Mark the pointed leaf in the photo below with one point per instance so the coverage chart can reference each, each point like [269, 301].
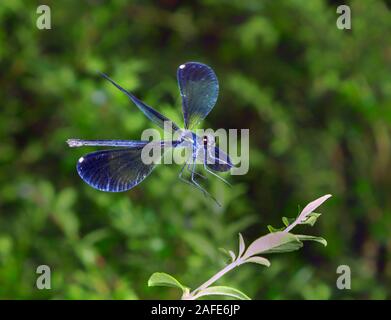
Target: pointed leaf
[260, 260]
[225, 252]
[232, 254]
[242, 245]
[222, 291]
[287, 221]
[165, 280]
[272, 229]
[272, 243]
[311, 218]
[309, 208]
[311, 238]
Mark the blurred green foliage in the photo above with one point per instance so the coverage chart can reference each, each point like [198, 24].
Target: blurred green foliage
[317, 101]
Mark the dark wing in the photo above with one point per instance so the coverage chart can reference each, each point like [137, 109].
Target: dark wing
[114, 170]
[150, 112]
[218, 160]
[199, 89]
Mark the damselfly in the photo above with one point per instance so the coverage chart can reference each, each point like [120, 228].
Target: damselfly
[121, 169]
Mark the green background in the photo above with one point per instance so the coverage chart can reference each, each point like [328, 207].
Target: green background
[317, 101]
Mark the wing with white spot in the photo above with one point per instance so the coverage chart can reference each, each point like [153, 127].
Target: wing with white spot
[117, 170]
[199, 89]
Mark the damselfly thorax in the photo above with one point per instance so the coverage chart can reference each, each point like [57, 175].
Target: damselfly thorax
[201, 147]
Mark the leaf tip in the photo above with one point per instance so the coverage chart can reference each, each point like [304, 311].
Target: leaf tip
[242, 245]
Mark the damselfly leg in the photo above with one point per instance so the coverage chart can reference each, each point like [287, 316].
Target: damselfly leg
[191, 167]
[210, 171]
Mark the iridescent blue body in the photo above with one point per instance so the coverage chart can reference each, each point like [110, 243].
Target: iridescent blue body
[121, 169]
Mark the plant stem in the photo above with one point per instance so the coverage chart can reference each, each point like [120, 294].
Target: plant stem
[216, 277]
[290, 227]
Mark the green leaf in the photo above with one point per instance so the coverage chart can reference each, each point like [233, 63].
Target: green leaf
[222, 291]
[232, 254]
[259, 260]
[272, 229]
[311, 218]
[165, 280]
[226, 252]
[287, 221]
[273, 243]
[288, 242]
[302, 237]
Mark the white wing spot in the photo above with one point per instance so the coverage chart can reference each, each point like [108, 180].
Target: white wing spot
[81, 160]
[182, 66]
